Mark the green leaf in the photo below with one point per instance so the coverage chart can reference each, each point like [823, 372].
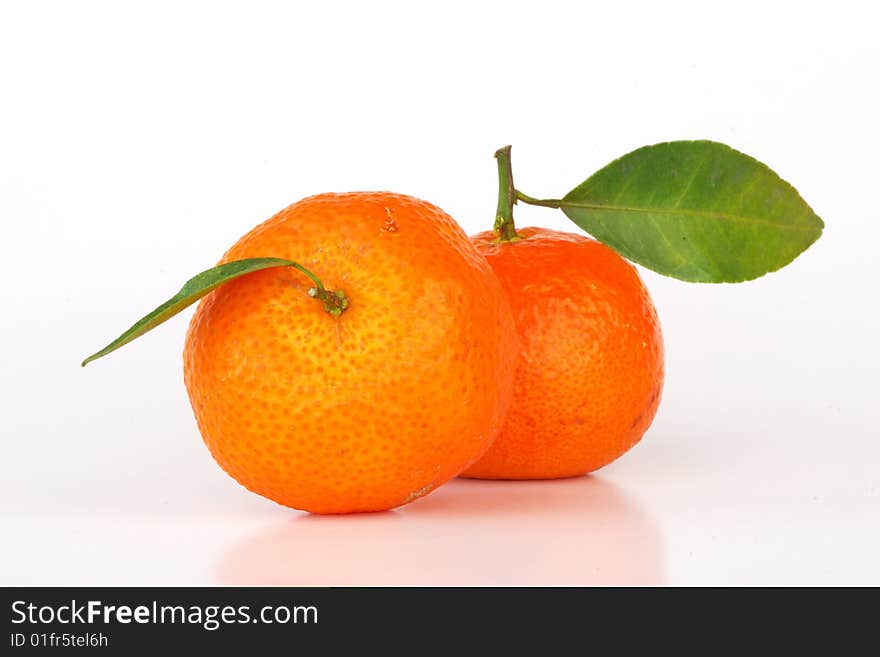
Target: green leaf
[695, 210]
[193, 290]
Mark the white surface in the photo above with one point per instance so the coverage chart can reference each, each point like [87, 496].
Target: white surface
[136, 146]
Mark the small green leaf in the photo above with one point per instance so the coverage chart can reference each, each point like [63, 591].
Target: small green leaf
[193, 290]
[695, 210]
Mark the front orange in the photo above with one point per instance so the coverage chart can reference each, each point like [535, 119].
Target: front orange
[591, 363]
[374, 408]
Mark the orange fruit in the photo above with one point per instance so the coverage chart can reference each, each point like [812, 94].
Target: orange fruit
[591, 356]
[374, 408]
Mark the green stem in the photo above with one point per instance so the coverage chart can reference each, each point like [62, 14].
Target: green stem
[506, 197]
[546, 203]
[317, 281]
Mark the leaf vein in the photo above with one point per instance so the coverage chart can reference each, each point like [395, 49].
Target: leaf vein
[712, 214]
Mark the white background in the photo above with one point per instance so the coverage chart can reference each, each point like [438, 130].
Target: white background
[136, 145]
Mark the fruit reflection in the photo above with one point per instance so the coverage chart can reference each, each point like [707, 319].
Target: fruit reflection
[575, 531]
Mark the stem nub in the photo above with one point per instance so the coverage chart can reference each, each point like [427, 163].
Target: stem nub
[506, 197]
[334, 302]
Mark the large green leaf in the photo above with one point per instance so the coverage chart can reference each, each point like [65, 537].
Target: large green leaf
[695, 210]
[193, 290]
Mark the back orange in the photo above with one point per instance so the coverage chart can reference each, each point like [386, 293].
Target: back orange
[375, 408]
[591, 361]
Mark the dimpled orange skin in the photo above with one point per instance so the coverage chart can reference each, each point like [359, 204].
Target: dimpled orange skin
[375, 408]
[591, 364]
